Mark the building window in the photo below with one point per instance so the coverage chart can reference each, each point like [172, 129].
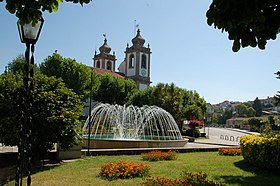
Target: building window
[144, 61]
[131, 61]
[109, 65]
[98, 64]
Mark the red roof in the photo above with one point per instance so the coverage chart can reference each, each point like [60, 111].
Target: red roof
[103, 71]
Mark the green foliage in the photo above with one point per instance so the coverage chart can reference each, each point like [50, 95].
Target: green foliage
[257, 123]
[257, 106]
[32, 10]
[113, 90]
[193, 132]
[56, 111]
[17, 65]
[277, 96]
[227, 114]
[248, 23]
[76, 76]
[180, 103]
[187, 178]
[261, 151]
[244, 111]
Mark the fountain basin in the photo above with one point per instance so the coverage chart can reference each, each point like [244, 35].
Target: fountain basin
[126, 143]
[116, 126]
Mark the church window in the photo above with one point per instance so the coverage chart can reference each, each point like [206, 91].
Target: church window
[109, 65]
[131, 61]
[144, 61]
[98, 64]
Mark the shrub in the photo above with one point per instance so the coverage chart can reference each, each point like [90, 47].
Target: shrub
[230, 151]
[123, 170]
[262, 151]
[159, 156]
[189, 132]
[187, 179]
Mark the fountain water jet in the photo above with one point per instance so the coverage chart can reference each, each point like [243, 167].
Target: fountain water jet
[115, 126]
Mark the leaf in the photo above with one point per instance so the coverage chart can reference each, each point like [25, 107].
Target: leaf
[236, 46]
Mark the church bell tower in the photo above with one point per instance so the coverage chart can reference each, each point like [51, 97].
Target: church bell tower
[104, 60]
[137, 62]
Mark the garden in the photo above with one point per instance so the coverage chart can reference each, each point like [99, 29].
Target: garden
[225, 167]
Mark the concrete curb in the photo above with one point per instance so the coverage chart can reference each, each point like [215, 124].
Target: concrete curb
[220, 144]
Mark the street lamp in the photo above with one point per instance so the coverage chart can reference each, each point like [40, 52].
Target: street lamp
[29, 34]
[89, 112]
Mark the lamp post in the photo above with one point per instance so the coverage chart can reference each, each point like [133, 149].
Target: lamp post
[89, 112]
[29, 35]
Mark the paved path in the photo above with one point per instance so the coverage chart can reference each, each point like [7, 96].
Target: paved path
[223, 136]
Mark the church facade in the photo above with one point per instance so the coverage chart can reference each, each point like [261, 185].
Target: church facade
[136, 64]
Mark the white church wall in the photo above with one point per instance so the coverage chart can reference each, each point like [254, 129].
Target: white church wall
[142, 86]
[131, 71]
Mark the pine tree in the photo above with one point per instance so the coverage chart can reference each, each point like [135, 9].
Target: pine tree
[258, 107]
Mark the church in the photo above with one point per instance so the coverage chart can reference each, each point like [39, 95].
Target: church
[136, 64]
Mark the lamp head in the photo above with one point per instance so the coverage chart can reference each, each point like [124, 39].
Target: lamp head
[29, 33]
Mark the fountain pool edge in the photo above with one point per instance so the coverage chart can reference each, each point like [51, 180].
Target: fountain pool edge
[118, 143]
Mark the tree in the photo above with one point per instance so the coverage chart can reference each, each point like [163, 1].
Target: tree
[277, 96]
[227, 114]
[32, 10]
[112, 90]
[247, 22]
[56, 112]
[243, 111]
[180, 103]
[75, 75]
[257, 123]
[17, 65]
[257, 106]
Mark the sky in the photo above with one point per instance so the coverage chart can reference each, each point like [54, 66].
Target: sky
[185, 50]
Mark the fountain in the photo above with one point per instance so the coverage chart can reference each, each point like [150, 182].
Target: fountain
[115, 126]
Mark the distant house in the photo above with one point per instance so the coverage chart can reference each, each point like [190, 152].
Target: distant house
[237, 123]
[267, 102]
[234, 122]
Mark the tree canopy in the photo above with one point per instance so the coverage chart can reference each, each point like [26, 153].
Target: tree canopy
[112, 90]
[32, 10]
[244, 111]
[247, 22]
[17, 65]
[180, 103]
[277, 96]
[258, 107]
[75, 75]
[56, 112]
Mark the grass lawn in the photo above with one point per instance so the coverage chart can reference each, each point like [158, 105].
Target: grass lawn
[231, 170]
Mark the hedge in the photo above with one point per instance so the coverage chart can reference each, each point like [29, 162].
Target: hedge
[261, 151]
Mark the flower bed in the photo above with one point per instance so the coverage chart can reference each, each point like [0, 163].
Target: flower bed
[187, 179]
[123, 170]
[230, 151]
[159, 156]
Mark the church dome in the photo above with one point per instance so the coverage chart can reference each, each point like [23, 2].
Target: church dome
[138, 40]
[105, 47]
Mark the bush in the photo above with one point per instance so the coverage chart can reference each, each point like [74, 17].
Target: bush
[262, 151]
[230, 151]
[123, 170]
[187, 178]
[189, 132]
[159, 156]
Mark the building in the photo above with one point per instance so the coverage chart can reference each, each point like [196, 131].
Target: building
[236, 123]
[136, 64]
